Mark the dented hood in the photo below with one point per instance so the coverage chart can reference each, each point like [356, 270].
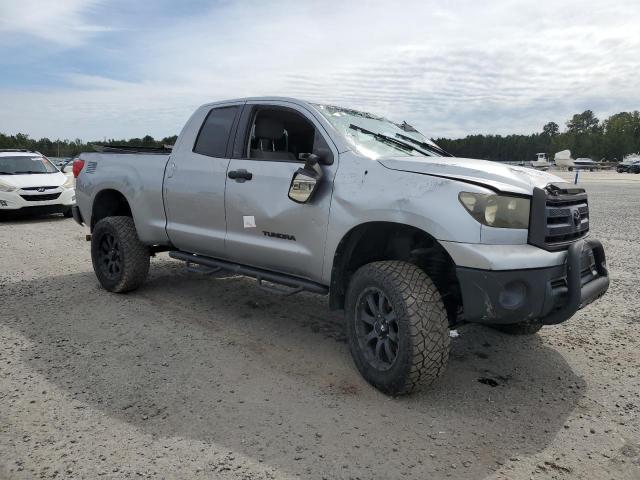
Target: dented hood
[495, 175]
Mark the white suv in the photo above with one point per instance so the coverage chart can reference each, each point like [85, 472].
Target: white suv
[28, 180]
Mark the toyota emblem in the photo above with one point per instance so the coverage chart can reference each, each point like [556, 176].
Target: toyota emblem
[576, 218]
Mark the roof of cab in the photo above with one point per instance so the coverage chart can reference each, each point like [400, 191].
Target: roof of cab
[261, 99]
[339, 141]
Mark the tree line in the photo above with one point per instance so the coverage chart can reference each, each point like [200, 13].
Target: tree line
[71, 148]
[584, 134]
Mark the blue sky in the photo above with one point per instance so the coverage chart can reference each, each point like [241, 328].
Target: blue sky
[100, 68]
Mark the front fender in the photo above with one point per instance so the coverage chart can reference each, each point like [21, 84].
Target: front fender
[365, 191]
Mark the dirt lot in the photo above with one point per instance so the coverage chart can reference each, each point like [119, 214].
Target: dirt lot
[199, 377]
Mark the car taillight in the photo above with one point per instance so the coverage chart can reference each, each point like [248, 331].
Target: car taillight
[78, 165]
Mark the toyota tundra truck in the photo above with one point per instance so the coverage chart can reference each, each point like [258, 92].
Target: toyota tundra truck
[408, 240]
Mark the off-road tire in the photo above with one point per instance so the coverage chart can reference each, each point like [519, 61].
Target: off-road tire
[528, 327]
[421, 320]
[68, 213]
[134, 256]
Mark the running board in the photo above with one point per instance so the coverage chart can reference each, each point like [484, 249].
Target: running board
[297, 284]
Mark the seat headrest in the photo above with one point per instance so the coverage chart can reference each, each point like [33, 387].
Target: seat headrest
[269, 128]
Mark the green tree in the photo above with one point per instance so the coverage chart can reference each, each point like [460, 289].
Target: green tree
[551, 129]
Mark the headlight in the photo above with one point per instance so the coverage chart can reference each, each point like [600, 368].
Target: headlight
[500, 211]
[4, 187]
[69, 183]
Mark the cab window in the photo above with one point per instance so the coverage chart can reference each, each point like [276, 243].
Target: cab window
[214, 134]
[282, 134]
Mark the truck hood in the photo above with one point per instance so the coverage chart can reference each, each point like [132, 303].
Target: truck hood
[35, 180]
[495, 175]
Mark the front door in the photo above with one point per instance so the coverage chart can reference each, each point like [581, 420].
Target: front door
[265, 228]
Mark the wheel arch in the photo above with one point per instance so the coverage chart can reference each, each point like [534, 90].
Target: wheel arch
[109, 202]
[380, 240]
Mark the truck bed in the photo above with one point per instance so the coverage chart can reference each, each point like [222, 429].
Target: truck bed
[138, 176]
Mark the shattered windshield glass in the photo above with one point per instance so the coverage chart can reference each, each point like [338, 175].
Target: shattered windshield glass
[376, 136]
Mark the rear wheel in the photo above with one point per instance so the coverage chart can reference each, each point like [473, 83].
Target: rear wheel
[397, 326]
[529, 327]
[120, 260]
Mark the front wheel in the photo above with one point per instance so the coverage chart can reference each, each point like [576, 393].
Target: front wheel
[68, 213]
[397, 326]
[120, 260]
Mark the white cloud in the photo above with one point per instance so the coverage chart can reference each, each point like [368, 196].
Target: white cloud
[498, 67]
[57, 21]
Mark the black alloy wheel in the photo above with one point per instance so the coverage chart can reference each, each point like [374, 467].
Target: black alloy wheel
[377, 329]
[109, 258]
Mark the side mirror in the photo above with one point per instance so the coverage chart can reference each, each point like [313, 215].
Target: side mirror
[309, 158]
[306, 180]
[324, 159]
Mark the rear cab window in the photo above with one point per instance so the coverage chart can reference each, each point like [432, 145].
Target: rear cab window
[214, 134]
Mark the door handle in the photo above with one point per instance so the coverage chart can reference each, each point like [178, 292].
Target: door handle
[240, 175]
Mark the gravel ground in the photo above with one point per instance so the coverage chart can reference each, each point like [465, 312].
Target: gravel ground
[200, 377]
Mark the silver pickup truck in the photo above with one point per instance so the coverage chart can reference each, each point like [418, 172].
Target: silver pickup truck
[406, 239]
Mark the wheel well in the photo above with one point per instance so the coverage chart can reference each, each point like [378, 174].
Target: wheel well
[374, 241]
[109, 203]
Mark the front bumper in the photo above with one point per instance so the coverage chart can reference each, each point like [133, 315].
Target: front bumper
[28, 199]
[551, 294]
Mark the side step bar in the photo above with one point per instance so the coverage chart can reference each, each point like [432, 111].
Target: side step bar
[297, 284]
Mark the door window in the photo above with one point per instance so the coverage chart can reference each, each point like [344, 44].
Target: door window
[214, 133]
[282, 134]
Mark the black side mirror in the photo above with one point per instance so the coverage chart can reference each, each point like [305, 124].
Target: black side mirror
[309, 157]
[321, 157]
[306, 180]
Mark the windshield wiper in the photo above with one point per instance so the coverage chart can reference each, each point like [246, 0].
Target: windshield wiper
[386, 139]
[7, 173]
[426, 145]
[31, 171]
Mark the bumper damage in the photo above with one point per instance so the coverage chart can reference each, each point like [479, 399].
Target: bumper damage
[551, 294]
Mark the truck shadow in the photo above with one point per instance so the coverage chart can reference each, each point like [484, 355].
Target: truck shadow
[16, 218]
[219, 361]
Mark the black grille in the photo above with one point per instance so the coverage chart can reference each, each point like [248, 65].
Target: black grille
[559, 216]
[41, 198]
[37, 188]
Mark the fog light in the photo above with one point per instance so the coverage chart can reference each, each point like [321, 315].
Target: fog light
[513, 295]
[3, 203]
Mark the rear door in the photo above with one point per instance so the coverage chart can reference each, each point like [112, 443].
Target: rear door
[195, 180]
[265, 228]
